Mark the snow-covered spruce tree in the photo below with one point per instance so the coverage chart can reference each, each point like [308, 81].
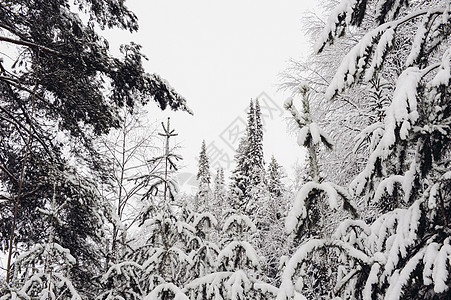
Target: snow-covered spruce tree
[270, 239]
[353, 109]
[122, 281]
[200, 246]
[203, 175]
[43, 272]
[256, 188]
[160, 251]
[248, 178]
[411, 157]
[257, 171]
[219, 195]
[250, 194]
[163, 256]
[202, 200]
[404, 253]
[307, 218]
[239, 180]
[203, 250]
[162, 241]
[237, 267]
[159, 184]
[242, 178]
[274, 243]
[275, 186]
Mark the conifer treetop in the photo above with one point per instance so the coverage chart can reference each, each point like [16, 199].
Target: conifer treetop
[203, 175]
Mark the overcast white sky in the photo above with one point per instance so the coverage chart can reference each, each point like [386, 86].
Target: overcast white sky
[219, 55]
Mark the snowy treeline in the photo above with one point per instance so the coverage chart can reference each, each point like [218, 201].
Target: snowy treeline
[89, 205]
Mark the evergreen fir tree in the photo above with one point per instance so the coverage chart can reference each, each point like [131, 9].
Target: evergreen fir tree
[203, 175]
[306, 216]
[247, 161]
[204, 251]
[163, 255]
[275, 187]
[251, 129]
[219, 187]
[122, 280]
[256, 147]
[203, 197]
[156, 261]
[255, 153]
[248, 177]
[44, 271]
[257, 182]
[237, 267]
[270, 238]
[219, 195]
[239, 180]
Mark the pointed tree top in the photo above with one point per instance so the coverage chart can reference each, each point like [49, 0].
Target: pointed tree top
[203, 174]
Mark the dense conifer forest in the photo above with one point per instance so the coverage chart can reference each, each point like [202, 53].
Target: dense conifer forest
[90, 206]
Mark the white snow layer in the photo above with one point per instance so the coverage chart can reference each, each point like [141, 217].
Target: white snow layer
[345, 7]
[242, 221]
[443, 75]
[287, 289]
[354, 61]
[157, 292]
[119, 268]
[299, 212]
[244, 247]
[418, 40]
[385, 42]
[402, 113]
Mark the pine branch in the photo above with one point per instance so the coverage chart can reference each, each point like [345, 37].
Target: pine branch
[32, 45]
[30, 131]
